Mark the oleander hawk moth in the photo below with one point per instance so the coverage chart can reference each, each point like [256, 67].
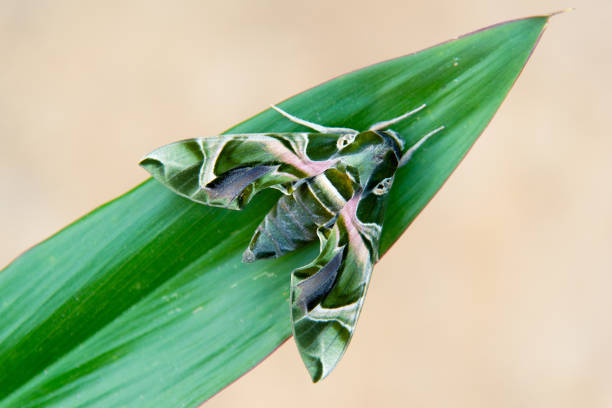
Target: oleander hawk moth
[334, 183]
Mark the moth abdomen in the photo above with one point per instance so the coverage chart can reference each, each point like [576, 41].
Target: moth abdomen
[294, 220]
[284, 229]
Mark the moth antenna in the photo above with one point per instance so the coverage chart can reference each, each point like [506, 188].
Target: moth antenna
[314, 126]
[385, 124]
[408, 155]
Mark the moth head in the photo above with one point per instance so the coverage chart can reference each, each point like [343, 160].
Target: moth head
[394, 141]
[396, 138]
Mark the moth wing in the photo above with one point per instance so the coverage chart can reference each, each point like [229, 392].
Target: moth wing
[227, 171]
[327, 294]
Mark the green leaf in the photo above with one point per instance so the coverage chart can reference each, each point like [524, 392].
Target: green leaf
[145, 301]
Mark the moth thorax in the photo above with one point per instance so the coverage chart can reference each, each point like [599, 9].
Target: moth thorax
[345, 140]
[383, 187]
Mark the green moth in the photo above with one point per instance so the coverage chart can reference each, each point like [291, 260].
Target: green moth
[334, 182]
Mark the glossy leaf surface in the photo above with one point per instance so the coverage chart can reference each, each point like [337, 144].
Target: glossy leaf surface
[145, 302]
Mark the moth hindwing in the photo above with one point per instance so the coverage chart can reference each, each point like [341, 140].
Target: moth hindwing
[335, 183]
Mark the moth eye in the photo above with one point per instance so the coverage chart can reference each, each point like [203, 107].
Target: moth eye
[383, 187]
[344, 141]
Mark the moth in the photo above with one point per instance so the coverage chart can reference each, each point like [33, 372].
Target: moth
[335, 182]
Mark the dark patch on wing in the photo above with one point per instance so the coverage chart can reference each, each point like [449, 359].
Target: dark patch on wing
[230, 184]
[316, 287]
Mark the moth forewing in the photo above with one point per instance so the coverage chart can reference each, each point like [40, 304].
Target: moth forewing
[227, 171]
[327, 295]
[370, 211]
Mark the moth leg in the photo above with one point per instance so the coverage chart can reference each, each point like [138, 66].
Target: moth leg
[408, 155]
[315, 126]
[385, 124]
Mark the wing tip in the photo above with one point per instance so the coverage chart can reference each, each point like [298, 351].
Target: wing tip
[248, 256]
[315, 368]
[152, 165]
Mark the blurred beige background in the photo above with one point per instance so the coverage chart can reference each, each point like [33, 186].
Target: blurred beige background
[499, 295]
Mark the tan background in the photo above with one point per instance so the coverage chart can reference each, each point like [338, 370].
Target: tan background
[497, 296]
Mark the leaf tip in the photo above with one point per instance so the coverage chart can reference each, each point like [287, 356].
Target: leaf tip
[554, 13]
